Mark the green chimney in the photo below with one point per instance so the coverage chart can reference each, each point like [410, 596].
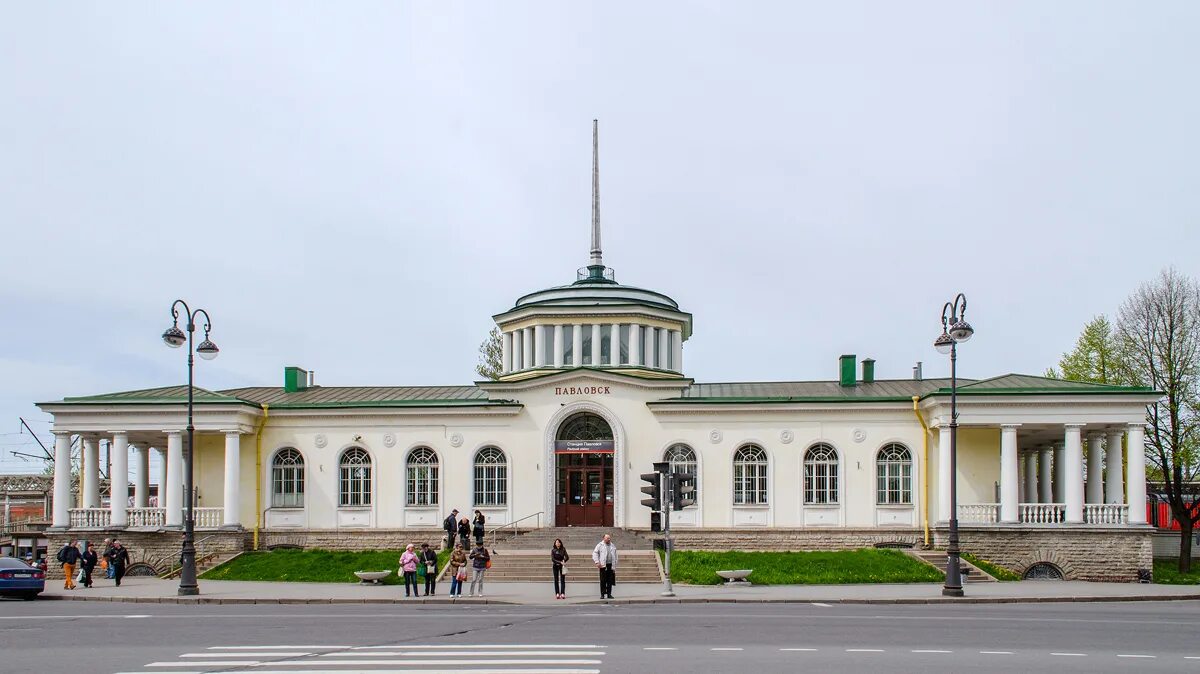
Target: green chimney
[295, 379]
[847, 369]
[868, 371]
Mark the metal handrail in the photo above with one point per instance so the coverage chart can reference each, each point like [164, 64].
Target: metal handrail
[514, 523]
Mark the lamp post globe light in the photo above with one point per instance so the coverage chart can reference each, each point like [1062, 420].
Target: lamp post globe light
[955, 329]
[175, 338]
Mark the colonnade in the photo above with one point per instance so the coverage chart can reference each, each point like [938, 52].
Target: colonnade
[546, 346]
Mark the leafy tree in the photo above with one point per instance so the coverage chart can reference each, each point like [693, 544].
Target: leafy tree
[1096, 358]
[491, 352]
[1158, 329]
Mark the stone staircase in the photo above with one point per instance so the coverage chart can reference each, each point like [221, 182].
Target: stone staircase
[937, 559]
[525, 557]
[203, 563]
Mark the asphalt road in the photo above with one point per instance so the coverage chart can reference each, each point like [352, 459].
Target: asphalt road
[52, 636]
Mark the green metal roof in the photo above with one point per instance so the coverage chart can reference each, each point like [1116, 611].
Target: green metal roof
[164, 394]
[1028, 382]
[383, 396]
[881, 390]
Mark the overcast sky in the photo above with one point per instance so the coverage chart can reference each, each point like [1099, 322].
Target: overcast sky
[357, 188]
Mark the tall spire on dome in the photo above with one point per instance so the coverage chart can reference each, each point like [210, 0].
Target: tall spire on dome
[596, 263]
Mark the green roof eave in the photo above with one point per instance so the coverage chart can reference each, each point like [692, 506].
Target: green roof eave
[1033, 390]
[149, 401]
[783, 399]
[398, 403]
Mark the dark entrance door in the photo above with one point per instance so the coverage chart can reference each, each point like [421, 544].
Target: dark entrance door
[584, 477]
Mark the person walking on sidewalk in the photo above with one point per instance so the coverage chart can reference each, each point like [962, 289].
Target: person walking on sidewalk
[427, 558]
[104, 550]
[480, 560]
[450, 524]
[477, 527]
[604, 556]
[458, 570]
[408, 567]
[558, 560]
[118, 559]
[88, 561]
[69, 556]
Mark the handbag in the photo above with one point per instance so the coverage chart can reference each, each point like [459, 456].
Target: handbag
[430, 568]
[488, 564]
[564, 569]
[79, 576]
[462, 574]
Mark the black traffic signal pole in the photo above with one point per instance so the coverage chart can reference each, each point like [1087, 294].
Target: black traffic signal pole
[668, 505]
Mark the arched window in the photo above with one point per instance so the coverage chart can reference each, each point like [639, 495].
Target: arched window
[893, 475]
[820, 475]
[354, 478]
[287, 479]
[584, 427]
[491, 478]
[683, 460]
[750, 476]
[422, 470]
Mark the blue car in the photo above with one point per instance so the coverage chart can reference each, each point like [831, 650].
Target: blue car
[18, 579]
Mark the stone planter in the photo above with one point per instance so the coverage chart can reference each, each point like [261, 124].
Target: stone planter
[372, 577]
[736, 576]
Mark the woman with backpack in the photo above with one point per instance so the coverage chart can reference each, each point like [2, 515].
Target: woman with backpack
[458, 570]
[477, 527]
[408, 567]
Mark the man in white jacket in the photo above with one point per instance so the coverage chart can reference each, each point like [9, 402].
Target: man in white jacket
[604, 556]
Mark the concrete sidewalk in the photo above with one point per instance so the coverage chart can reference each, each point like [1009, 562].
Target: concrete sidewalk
[153, 590]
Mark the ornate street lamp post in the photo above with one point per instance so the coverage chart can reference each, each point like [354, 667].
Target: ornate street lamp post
[955, 329]
[175, 338]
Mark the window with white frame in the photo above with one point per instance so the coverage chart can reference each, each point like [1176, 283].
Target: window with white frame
[422, 477]
[491, 478]
[287, 479]
[750, 476]
[821, 475]
[893, 475]
[354, 478]
[683, 460]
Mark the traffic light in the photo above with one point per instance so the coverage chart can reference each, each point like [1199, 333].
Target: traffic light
[654, 490]
[683, 492]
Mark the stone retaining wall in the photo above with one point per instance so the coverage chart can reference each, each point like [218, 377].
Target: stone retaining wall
[159, 549]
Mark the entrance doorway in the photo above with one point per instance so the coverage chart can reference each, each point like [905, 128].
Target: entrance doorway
[584, 478]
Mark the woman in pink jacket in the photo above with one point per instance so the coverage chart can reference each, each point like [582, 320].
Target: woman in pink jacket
[408, 565]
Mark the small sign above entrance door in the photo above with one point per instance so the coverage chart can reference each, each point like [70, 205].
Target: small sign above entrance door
[582, 446]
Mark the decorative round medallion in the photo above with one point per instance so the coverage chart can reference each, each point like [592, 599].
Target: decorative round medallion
[715, 437]
[389, 440]
[320, 441]
[786, 437]
[859, 435]
[456, 439]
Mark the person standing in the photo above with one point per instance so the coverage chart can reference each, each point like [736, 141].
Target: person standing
[464, 533]
[118, 559]
[559, 559]
[88, 561]
[408, 567]
[69, 556]
[477, 527]
[605, 558]
[450, 524]
[458, 570]
[428, 559]
[480, 561]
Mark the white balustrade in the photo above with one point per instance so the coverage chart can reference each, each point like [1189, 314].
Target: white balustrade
[147, 517]
[207, 518]
[90, 518]
[1105, 513]
[1043, 513]
[979, 512]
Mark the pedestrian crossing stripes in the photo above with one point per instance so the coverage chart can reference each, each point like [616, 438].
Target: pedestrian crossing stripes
[388, 658]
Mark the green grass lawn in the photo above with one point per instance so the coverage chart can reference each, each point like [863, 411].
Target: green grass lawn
[998, 572]
[803, 568]
[311, 566]
[1166, 572]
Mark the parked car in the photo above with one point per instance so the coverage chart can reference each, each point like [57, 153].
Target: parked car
[18, 579]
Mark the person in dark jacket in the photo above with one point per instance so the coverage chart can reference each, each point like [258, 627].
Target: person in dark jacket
[118, 559]
[558, 559]
[89, 560]
[428, 557]
[108, 570]
[69, 556]
[464, 533]
[477, 527]
[450, 524]
[479, 562]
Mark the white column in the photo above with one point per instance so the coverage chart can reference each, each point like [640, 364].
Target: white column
[648, 353]
[1060, 475]
[141, 478]
[1009, 469]
[559, 347]
[677, 350]
[1031, 494]
[539, 345]
[118, 479]
[527, 348]
[161, 476]
[506, 352]
[595, 345]
[664, 348]
[89, 476]
[614, 344]
[944, 475]
[174, 499]
[635, 344]
[233, 465]
[577, 345]
[62, 479]
[1135, 483]
[517, 349]
[1072, 472]
[1095, 467]
[1046, 475]
[1114, 487]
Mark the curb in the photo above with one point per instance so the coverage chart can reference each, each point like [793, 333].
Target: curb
[285, 600]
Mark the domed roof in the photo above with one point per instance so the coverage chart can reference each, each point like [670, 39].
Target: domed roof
[590, 291]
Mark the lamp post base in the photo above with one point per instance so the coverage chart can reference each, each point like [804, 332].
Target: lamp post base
[190, 591]
[952, 592]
